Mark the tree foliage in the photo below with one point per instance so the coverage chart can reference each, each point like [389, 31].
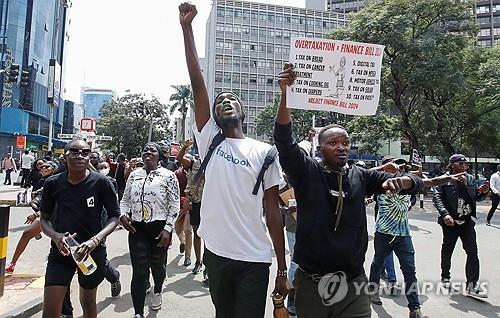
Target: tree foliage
[183, 98]
[128, 121]
[441, 85]
[370, 133]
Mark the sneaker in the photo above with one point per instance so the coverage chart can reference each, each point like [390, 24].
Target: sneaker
[375, 299]
[182, 248]
[138, 316]
[148, 288]
[187, 261]
[476, 291]
[488, 223]
[416, 313]
[116, 288]
[156, 301]
[197, 268]
[10, 268]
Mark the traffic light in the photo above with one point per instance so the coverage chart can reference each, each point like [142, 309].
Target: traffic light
[13, 73]
[25, 78]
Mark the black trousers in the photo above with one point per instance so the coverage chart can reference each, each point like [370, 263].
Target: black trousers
[144, 255]
[467, 234]
[237, 288]
[495, 199]
[24, 179]
[7, 176]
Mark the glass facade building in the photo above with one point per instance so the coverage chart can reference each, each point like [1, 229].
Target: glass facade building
[247, 45]
[35, 31]
[93, 99]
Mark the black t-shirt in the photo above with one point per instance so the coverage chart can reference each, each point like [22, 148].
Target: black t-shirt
[79, 207]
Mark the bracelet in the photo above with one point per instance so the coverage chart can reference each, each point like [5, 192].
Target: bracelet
[282, 273]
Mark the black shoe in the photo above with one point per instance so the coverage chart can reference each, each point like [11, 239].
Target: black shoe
[182, 248]
[197, 268]
[488, 223]
[187, 261]
[116, 288]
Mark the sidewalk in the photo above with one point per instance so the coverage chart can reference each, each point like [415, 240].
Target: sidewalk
[8, 193]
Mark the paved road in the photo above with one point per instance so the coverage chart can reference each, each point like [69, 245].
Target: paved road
[183, 295]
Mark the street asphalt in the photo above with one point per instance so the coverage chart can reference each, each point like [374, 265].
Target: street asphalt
[184, 296]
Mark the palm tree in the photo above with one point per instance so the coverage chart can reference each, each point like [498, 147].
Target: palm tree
[183, 98]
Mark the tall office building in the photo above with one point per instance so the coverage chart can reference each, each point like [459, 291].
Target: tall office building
[34, 32]
[247, 44]
[487, 16]
[93, 99]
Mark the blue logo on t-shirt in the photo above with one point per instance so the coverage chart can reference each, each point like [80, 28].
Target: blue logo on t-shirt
[232, 159]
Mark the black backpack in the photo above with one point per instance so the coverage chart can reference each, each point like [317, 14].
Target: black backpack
[268, 161]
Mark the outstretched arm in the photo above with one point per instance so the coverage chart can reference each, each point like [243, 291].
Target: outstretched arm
[285, 78]
[186, 162]
[187, 12]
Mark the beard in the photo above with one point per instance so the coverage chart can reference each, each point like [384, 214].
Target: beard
[229, 123]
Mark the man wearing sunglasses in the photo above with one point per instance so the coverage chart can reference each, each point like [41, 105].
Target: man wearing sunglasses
[456, 204]
[80, 196]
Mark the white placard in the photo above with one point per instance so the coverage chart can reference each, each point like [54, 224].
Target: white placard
[338, 76]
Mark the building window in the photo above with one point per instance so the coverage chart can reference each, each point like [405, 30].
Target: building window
[496, 8]
[227, 60]
[229, 12]
[262, 32]
[485, 43]
[295, 20]
[269, 97]
[278, 34]
[244, 62]
[237, 45]
[484, 32]
[261, 63]
[237, 13]
[252, 95]
[270, 81]
[271, 17]
[253, 47]
[244, 78]
[228, 28]
[270, 48]
[236, 61]
[277, 48]
[270, 64]
[286, 35]
[253, 63]
[245, 30]
[270, 32]
[218, 77]
[33, 124]
[236, 78]
[482, 9]
[219, 60]
[483, 20]
[227, 78]
[279, 18]
[496, 31]
[262, 48]
[262, 16]
[254, 15]
[261, 97]
[253, 79]
[219, 43]
[219, 28]
[261, 79]
[220, 12]
[245, 46]
[237, 29]
[246, 15]
[228, 44]
[244, 96]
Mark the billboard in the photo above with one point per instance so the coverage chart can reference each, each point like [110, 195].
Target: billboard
[54, 83]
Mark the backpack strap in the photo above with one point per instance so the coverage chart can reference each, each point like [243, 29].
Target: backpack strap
[270, 157]
[215, 142]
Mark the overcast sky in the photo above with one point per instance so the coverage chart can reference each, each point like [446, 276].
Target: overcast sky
[130, 44]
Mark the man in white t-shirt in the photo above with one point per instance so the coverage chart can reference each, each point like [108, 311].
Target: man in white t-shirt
[238, 252]
[26, 162]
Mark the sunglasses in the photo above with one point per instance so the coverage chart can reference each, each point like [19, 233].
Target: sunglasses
[73, 152]
[46, 167]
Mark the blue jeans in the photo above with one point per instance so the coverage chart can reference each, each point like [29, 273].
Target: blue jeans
[403, 247]
[389, 268]
[290, 236]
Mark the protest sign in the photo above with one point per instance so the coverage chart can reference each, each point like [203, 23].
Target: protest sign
[339, 76]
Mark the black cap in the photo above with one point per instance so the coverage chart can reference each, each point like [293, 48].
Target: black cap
[457, 158]
[387, 159]
[400, 161]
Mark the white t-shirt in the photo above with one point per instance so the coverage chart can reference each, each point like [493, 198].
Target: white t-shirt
[232, 222]
[26, 161]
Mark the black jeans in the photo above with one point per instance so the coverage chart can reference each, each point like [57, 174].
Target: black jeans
[7, 176]
[495, 199]
[237, 288]
[467, 235]
[24, 179]
[403, 247]
[145, 254]
[348, 300]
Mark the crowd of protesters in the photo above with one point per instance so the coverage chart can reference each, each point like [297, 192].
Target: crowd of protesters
[206, 198]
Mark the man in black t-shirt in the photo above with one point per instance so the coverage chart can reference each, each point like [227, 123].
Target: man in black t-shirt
[77, 196]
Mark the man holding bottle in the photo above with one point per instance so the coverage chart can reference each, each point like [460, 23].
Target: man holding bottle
[76, 199]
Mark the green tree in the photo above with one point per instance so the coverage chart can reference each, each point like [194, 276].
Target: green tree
[301, 119]
[183, 98]
[369, 133]
[128, 120]
[426, 42]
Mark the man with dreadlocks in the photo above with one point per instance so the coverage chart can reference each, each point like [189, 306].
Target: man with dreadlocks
[331, 238]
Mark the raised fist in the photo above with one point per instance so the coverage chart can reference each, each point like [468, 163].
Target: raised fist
[187, 12]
